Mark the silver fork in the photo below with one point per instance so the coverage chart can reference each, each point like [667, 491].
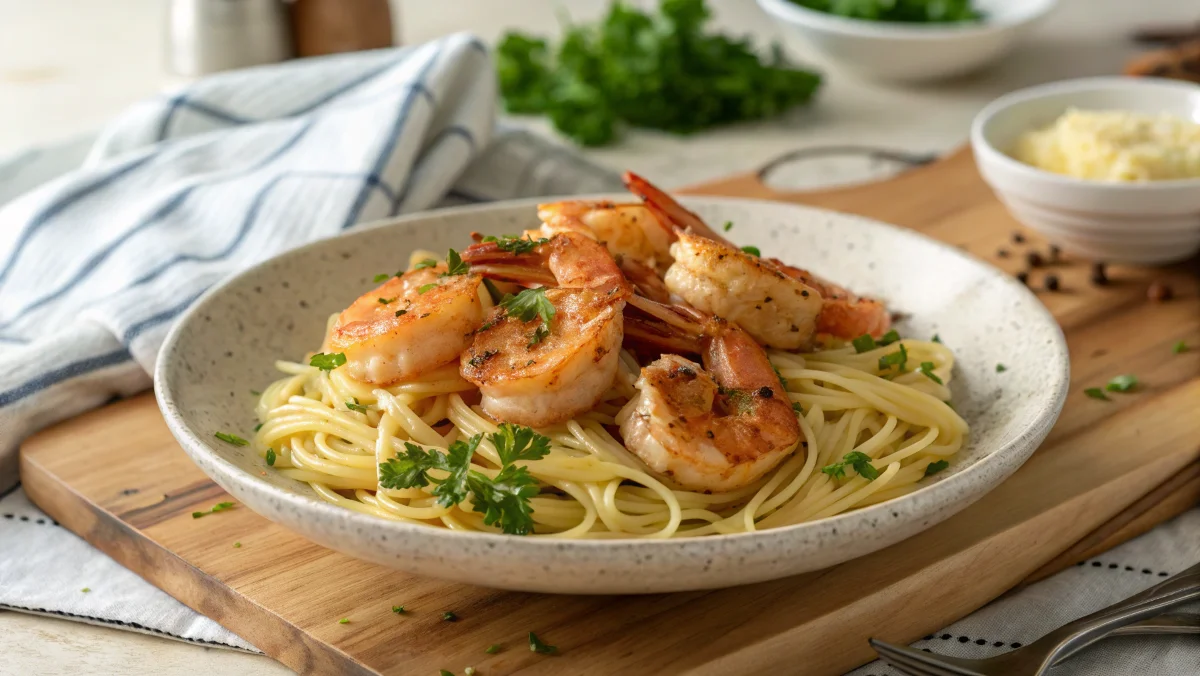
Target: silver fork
[1035, 658]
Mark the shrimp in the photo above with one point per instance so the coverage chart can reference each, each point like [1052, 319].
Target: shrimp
[714, 428]
[713, 275]
[627, 230]
[409, 325]
[537, 375]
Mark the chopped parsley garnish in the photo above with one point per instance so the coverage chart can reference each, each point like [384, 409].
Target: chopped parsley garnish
[231, 439]
[528, 304]
[936, 338]
[380, 277]
[355, 406]
[897, 359]
[479, 359]
[1122, 383]
[537, 645]
[1179, 348]
[539, 334]
[219, 507]
[728, 226]
[344, 620]
[399, 610]
[796, 408]
[927, 370]
[861, 462]
[889, 338]
[752, 250]
[455, 265]
[515, 243]
[256, 393]
[1001, 368]
[935, 467]
[426, 287]
[1096, 393]
[270, 457]
[327, 362]
[427, 263]
[401, 313]
[445, 672]
[782, 380]
[86, 590]
[503, 501]
[493, 292]
[237, 545]
[258, 427]
[449, 616]
[493, 649]
[863, 343]
[386, 301]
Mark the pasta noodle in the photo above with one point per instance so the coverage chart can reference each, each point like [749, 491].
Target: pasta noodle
[591, 486]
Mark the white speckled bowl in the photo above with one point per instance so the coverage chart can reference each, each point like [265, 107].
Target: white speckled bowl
[226, 344]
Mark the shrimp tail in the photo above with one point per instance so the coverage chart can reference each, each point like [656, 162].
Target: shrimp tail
[670, 213]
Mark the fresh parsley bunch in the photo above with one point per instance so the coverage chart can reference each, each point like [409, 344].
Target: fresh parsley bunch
[503, 500]
[906, 11]
[660, 71]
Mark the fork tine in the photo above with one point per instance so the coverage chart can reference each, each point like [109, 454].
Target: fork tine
[917, 662]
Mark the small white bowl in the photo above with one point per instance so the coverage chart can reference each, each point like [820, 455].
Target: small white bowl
[911, 51]
[1149, 223]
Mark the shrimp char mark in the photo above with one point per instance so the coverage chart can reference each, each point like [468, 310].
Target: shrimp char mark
[550, 352]
[409, 325]
[713, 428]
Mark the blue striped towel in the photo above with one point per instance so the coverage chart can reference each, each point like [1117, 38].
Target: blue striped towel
[186, 189]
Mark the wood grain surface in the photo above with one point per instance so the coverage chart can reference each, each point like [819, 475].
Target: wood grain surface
[1108, 471]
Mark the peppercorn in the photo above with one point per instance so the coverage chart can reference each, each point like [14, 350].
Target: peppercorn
[1002, 253]
[1099, 274]
[1023, 277]
[1034, 259]
[1018, 237]
[1052, 282]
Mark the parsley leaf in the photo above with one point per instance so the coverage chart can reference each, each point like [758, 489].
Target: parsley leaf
[539, 334]
[449, 616]
[537, 645]
[728, 226]
[837, 470]
[453, 489]
[505, 499]
[515, 243]
[603, 74]
[426, 287]
[863, 343]
[1096, 393]
[927, 370]
[782, 381]
[935, 467]
[327, 362]
[219, 507]
[861, 462]
[401, 313]
[936, 338]
[380, 277]
[897, 359]
[427, 263]
[796, 408]
[528, 304]
[908, 11]
[231, 439]
[493, 649]
[889, 338]
[408, 469]
[399, 610]
[1001, 368]
[355, 406]
[386, 301]
[1122, 383]
[752, 250]
[492, 290]
[455, 265]
[344, 620]
[270, 457]
[1179, 348]
[516, 442]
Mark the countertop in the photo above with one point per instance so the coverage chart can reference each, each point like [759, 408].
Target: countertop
[67, 66]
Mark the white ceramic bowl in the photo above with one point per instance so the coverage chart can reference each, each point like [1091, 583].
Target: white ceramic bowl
[226, 344]
[907, 51]
[1155, 222]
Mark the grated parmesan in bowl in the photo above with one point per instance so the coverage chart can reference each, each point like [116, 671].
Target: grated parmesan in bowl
[1114, 145]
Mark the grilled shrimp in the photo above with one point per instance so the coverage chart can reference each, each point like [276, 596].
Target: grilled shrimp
[713, 275]
[627, 230]
[537, 375]
[714, 428]
[397, 332]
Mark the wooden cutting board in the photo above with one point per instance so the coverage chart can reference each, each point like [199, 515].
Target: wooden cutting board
[1109, 470]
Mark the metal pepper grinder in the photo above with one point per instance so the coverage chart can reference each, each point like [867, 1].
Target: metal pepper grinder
[206, 36]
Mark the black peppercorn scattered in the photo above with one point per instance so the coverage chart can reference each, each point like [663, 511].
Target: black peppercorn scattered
[1023, 277]
[1002, 253]
[1018, 237]
[1052, 282]
[1099, 274]
[1034, 259]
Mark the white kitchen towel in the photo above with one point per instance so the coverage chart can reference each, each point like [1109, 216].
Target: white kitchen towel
[121, 232]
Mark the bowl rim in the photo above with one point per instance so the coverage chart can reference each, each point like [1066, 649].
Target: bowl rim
[785, 10]
[987, 152]
[1024, 442]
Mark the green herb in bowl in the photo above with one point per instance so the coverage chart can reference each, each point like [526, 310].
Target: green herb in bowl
[902, 11]
[658, 71]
